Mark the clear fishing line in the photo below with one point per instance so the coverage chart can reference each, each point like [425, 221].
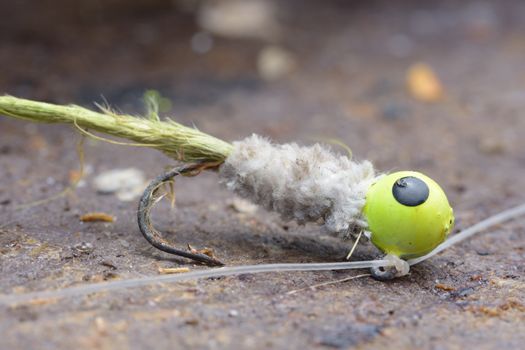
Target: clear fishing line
[250, 269]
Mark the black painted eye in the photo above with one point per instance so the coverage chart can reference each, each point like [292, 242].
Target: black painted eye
[410, 191]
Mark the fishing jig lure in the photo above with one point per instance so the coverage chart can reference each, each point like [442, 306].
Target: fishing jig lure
[405, 214]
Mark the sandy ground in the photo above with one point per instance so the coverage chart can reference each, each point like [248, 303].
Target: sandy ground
[347, 81]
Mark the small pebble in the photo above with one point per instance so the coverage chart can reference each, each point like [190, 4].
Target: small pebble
[126, 184]
[243, 206]
[464, 292]
[101, 325]
[239, 18]
[423, 83]
[274, 63]
[444, 287]
[84, 247]
[97, 217]
[233, 313]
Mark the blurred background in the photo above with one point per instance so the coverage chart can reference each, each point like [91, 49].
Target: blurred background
[433, 86]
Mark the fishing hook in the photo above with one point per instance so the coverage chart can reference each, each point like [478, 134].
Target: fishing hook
[148, 200]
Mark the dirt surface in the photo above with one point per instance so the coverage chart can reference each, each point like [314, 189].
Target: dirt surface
[347, 82]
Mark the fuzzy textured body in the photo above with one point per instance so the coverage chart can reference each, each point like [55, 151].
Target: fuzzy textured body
[307, 184]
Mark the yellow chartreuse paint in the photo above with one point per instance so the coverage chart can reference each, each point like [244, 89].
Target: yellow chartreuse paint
[408, 214]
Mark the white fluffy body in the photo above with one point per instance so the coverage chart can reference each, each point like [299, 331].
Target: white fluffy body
[307, 184]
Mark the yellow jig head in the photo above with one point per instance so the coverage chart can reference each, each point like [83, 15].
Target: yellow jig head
[408, 214]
